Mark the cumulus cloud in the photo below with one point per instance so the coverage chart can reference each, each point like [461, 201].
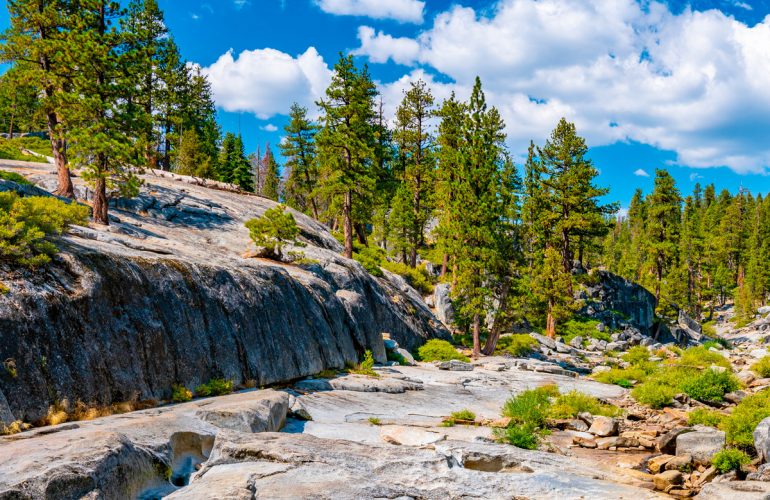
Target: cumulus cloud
[405, 11]
[269, 128]
[380, 48]
[641, 173]
[266, 81]
[696, 83]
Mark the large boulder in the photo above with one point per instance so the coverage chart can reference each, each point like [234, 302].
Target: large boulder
[443, 304]
[614, 299]
[702, 444]
[762, 440]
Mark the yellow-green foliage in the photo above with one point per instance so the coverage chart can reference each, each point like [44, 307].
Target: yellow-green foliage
[702, 416]
[581, 327]
[14, 428]
[569, 405]
[180, 394]
[626, 377]
[439, 350]
[637, 355]
[762, 367]
[704, 385]
[740, 425]
[11, 150]
[517, 345]
[701, 357]
[418, 277]
[729, 460]
[709, 329]
[215, 387]
[27, 226]
[375, 421]
[531, 407]
[366, 367]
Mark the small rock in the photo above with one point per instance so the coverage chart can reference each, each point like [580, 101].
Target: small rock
[667, 442]
[601, 369]
[679, 462]
[604, 426]
[758, 353]
[500, 423]
[455, 366]
[735, 397]
[762, 473]
[577, 425]
[707, 476]
[408, 358]
[657, 464]
[390, 344]
[576, 342]
[666, 480]
[586, 417]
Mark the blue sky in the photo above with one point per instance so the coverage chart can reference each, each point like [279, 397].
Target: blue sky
[680, 85]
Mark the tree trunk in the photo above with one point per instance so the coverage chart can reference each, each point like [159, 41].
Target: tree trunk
[64, 186]
[444, 264]
[347, 207]
[361, 234]
[476, 335]
[13, 116]
[100, 202]
[550, 322]
[494, 334]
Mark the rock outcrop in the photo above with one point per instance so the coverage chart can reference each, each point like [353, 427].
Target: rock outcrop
[163, 296]
[615, 300]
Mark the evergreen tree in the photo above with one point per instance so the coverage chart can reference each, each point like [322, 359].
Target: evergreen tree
[416, 150]
[271, 186]
[228, 159]
[41, 36]
[191, 159]
[243, 177]
[20, 109]
[298, 148]
[346, 143]
[663, 230]
[479, 209]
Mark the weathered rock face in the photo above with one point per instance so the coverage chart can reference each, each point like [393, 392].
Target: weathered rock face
[164, 297]
[613, 295]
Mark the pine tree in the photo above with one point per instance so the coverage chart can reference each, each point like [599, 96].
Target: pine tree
[663, 230]
[416, 150]
[228, 159]
[401, 222]
[20, 106]
[567, 179]
[346, 143]
[449, 140]
[298, 148]
[553, 286]
[271, 186]
[40, 35]
[479, 210]
[243, 176]
[191, 159]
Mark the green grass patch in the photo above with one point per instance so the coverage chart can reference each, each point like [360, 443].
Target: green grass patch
[517, 345]
[701, 357]
[703, 416]
[626, 377]
[569, 405]
[14, 177]
[439, 350]
[581, 327]
[520, 436]
[326, 374]
[374, 421]
[762, 367]
[710, 329]
[746, 415]
[461, 416]
[637, 355]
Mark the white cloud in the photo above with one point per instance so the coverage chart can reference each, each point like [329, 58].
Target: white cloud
[641, 173]
[269, 128]
[697, 83]
[266, 81]
[380, 47]
[405, 11]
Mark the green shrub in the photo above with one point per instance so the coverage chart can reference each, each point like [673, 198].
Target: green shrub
[371, 259]
[215, 387]
[14, 177]
[517, 345]
[11, 150]
[569, 405]
[531, 407]
[762, 367]
[366, 367]
[637, 355]
[718, 343]
[326, 374]
[36, 144]
[582, 327]
[394, 356]
[654, 394]
[180, 394]
[709, 329]
[273, 230]
[418, 277]
[439, 350]
[624, 376]
[463, 415]
[701, 357]
[702, 416]
[27, 226]
[730, 459]
[521, 436]
[375, 421]
[746, 415]
[710, 385]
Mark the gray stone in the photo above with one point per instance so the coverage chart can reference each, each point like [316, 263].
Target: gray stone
[408, 358]
[443, 304]
[577, 342]
[545, 341]
[455, 366]
[701, 444]
[735, 490]
[667, 442]
[604, 426]
[266, 414]
[621, 345]
[762, 439]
